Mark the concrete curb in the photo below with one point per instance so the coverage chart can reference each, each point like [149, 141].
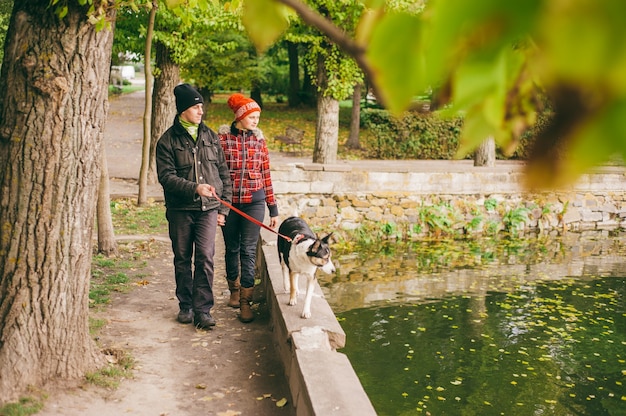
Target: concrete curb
[321, 380]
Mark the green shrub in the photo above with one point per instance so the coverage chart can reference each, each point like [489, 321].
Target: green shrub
[419, 135]
[414, 136]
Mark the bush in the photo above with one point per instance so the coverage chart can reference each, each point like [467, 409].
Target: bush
[428, 136]
[527, 139]
[414, 136]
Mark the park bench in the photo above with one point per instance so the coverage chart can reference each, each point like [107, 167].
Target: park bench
[292, 139]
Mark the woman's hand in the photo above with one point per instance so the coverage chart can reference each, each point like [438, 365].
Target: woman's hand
[273, 221]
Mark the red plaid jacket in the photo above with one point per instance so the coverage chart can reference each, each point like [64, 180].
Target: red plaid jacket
[247, 158]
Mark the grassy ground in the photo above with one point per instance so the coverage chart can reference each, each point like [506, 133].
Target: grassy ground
[277, 116]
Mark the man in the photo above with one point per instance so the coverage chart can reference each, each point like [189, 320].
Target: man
[192, 170]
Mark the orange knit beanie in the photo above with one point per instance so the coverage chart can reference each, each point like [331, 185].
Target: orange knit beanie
[242, 106]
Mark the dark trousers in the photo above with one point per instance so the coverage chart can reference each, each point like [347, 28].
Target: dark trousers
[193, 236]
[240, 239]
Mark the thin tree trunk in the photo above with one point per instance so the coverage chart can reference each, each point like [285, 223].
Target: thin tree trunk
[308, 96]
[485, 154]
[53, 91]
[355, 120]
[142, 197]
[327, 130]
[255, 94]
[164, 106]
[107, 244]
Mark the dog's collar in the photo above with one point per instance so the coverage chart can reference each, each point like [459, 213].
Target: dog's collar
[297, 238]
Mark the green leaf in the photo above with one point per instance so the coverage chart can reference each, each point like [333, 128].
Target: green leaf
[394, 53]
[171, 4]
[596, 142]
[598, 33]
[265, 21]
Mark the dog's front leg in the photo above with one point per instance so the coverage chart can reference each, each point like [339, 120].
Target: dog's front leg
[310, 286]
[293, 290]
[286, 278]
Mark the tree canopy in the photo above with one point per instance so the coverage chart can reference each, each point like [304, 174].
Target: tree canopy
[494, 61]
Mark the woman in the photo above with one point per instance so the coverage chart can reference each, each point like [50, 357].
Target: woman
[248, 160]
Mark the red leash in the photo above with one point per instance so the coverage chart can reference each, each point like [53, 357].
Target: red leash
[249, 218]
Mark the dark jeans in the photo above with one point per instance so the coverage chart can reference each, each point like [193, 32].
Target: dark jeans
[193, 234]
[240, 239]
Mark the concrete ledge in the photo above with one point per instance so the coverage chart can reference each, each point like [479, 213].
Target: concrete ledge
[321, 380]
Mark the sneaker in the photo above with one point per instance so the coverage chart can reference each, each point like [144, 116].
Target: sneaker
[203, 320]
[185, 316]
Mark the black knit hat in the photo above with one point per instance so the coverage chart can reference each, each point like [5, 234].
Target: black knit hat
[186, 96]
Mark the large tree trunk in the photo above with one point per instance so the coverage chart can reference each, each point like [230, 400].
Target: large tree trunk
[294, 75]
[355, 120]
[53, 94]
[164, 105]
[485, 154]
[142, 196]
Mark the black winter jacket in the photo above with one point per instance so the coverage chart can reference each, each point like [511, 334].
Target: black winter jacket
[182, 164]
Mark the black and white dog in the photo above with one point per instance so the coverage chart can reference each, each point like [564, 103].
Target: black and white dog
[304, 254]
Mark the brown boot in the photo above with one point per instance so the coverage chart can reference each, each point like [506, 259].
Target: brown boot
[233, 286]
[245, 314]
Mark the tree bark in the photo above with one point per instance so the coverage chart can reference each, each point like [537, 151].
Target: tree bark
[142, 196]
[355, 120]
[107, 244]
[327, 130]
[164, 104]
[485, 154]
[53, 94]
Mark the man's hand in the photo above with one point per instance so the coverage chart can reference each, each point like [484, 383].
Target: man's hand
[204, 189]
[221, 220]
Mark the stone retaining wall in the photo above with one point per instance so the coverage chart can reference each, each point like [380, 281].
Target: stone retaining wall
[321, 379]
[343, 197]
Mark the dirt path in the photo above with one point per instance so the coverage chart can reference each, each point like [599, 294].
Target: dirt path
[230, 370]
[179, 370]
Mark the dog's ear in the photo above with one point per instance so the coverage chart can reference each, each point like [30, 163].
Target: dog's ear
[328, 239]
[315, 246]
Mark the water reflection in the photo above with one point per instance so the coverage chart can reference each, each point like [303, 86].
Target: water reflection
[397, 273]
[531, 329]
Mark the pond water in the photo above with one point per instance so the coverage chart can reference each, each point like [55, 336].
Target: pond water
[493, 327]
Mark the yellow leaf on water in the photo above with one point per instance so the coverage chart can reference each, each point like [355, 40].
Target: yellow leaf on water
[281, 403]
[229, 413]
